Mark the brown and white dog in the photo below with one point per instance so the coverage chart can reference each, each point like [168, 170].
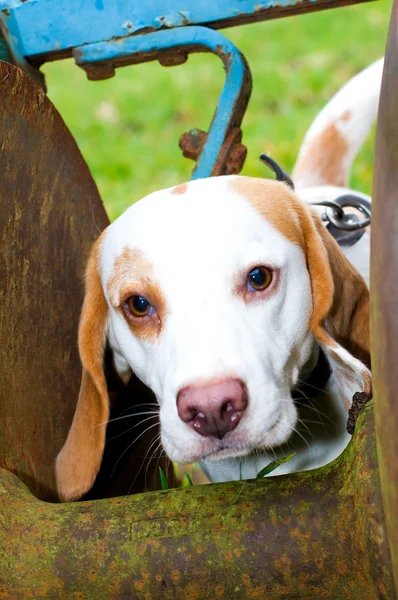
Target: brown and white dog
[219, 294]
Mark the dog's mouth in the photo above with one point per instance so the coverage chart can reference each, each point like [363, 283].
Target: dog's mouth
[241, 442]
[226, 452]
[241, 447]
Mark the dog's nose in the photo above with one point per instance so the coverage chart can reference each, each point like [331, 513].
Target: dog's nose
[213, 409]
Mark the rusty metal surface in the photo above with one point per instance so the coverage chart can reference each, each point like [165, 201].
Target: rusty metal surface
[313, 535]
[50, 214]
[232, 155]
[384, 285]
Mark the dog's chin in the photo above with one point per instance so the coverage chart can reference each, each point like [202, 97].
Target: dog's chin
[234, 445]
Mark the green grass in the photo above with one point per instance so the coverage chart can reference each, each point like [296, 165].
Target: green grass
[128, 127]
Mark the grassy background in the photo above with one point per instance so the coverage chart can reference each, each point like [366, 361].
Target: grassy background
[128, 127]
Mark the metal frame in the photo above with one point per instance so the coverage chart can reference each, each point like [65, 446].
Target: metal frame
[110, 33]
[158, 46]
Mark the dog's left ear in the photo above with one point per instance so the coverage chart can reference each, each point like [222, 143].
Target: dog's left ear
[79, 460]
[340, 318]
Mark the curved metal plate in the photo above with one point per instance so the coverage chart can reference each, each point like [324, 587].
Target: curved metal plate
[50, 214]
[316, 534]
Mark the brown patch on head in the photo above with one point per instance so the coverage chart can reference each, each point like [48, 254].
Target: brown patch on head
[340, 315]
[180, 189]
[133, 276]
[323, 161]
[284, 211]
[276, 203]
[340, 295]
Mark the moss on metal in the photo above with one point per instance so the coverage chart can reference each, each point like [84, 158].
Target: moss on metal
[317, 534]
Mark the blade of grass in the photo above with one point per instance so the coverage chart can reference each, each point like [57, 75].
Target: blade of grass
[163, 480]
[273, 465]
[188, 479]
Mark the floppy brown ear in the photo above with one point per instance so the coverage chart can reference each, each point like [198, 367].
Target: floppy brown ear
[340, 319]
[79, 460]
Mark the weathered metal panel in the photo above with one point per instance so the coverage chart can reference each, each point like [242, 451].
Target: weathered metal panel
[50, 213]
[384, 286]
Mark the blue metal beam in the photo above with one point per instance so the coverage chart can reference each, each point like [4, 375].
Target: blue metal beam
[54, 27]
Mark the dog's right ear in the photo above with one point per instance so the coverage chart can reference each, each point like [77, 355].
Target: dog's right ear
[79, 460]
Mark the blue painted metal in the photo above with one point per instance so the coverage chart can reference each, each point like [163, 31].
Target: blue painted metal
[42, 27]
[11, 38]
[235, 94]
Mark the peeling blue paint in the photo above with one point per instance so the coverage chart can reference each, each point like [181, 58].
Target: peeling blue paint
[101, 20]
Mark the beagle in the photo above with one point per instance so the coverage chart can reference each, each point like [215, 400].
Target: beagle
[221, 295]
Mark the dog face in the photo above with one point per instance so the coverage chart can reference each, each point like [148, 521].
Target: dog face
[214, 294]
[208, 330]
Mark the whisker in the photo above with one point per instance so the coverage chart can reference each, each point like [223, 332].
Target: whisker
[302, 437]
[132, 443]
[130, 428]
[139, 414]
[157, 442]
[139, 405]
[318, 389]
[313, 422]
[307, 428]
[157, 437]
[309, 404]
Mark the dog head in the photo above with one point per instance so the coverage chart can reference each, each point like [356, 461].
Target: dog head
[214, 293]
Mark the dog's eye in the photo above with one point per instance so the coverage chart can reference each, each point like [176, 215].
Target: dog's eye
[259, 279]
[139, 306]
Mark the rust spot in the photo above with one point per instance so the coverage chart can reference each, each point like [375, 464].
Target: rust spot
[232, 154]
[139, 585]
